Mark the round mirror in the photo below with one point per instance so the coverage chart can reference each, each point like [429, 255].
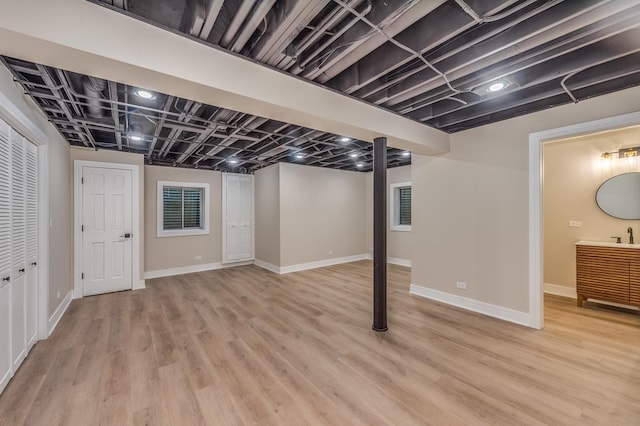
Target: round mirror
[620, 196]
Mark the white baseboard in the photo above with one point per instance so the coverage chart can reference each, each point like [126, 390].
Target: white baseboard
[267, 266]
[560, 290]
[4, 381]
[322, 263]
[190, 269]
[394, 261]
[398, 261]
[484, 308]
[310, 265]
[182, 270]
[54, 319]
[139, 285]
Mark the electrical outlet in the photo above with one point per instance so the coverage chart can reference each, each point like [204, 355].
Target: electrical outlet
[198, 257]
[575, 224]
[330, 252]
[461, 285]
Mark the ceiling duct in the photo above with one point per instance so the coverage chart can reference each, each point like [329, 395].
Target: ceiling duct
[93, 88]
[239, 17]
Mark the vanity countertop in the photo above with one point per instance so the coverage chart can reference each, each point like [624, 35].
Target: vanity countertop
[607, 244]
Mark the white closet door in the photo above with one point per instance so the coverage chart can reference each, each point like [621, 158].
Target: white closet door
[32, 243]
[5, 256]
[18, 251]
[237, 222]
[245, 218]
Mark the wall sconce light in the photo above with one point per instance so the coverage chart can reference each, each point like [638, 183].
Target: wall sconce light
[623, 153]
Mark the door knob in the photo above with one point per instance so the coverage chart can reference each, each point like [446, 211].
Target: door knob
[125, 236]
[21, 270]
[6, 279]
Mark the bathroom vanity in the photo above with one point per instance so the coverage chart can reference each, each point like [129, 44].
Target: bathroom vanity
[608, 271]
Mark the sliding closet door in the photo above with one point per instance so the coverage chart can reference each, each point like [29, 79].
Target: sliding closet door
[18, 251]
[5, 256]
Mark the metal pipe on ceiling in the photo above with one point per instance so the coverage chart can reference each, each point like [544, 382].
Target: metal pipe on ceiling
[592, 34]
[533, 34]
[393, 24]
[257, 15]
[283, 27]
[327, 43]
[323, 26]
[93, 88]
[239, 17]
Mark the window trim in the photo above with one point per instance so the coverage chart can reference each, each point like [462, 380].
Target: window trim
[394, 207]
[161, 232]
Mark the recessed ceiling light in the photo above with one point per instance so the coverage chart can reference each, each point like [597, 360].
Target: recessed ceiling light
[344, 139]
[145, 94]
[353, 155]
[135, 138]
[406, 154]
[299, 156]
[497, 86]
[233, 161]
[359, 164]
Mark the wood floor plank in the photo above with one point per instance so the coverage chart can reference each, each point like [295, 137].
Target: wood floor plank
[243, 346]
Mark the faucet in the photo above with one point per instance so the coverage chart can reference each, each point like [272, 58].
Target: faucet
[630, 231]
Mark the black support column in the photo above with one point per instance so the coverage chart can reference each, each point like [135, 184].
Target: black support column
[380, 234]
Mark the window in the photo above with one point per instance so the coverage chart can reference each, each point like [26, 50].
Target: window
[183, 208]
[400, 207]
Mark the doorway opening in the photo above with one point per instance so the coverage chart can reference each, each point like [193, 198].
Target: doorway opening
[560, 140]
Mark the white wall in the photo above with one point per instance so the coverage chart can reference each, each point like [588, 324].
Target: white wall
[267, 215]
[398, 242]
[470, 206]
[322, 214]
[60, 240]
[573, 171]
[181, 251]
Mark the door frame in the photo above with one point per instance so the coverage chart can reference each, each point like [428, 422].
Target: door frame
[136, 282]
[536, 219]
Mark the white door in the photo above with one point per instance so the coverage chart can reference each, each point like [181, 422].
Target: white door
[18, 251]
[106, 230]
[237, 226]
[5, 256]
[32, 243]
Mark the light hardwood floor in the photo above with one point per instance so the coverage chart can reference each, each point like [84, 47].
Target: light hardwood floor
[246, 346]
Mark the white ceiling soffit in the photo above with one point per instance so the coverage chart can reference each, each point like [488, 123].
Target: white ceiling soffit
[83, 37]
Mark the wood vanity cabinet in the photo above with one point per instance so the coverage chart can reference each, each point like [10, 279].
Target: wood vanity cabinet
[607, 273]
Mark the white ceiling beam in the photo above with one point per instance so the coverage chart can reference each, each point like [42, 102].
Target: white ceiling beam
[83, 37]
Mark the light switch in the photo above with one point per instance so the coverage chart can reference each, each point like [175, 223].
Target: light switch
[575, 224]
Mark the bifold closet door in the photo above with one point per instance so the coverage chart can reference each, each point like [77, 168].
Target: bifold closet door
[18, 251]
[31, 204]
[237, 225]
[5, 255]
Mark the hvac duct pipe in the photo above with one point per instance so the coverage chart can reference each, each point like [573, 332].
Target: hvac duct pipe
[93, 88]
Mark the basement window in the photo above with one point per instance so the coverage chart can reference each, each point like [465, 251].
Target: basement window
[183, 208]
[400, 207]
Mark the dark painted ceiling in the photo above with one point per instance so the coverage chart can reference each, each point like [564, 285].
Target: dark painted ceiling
[430, 60]
[433, 61]
[172, 131]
